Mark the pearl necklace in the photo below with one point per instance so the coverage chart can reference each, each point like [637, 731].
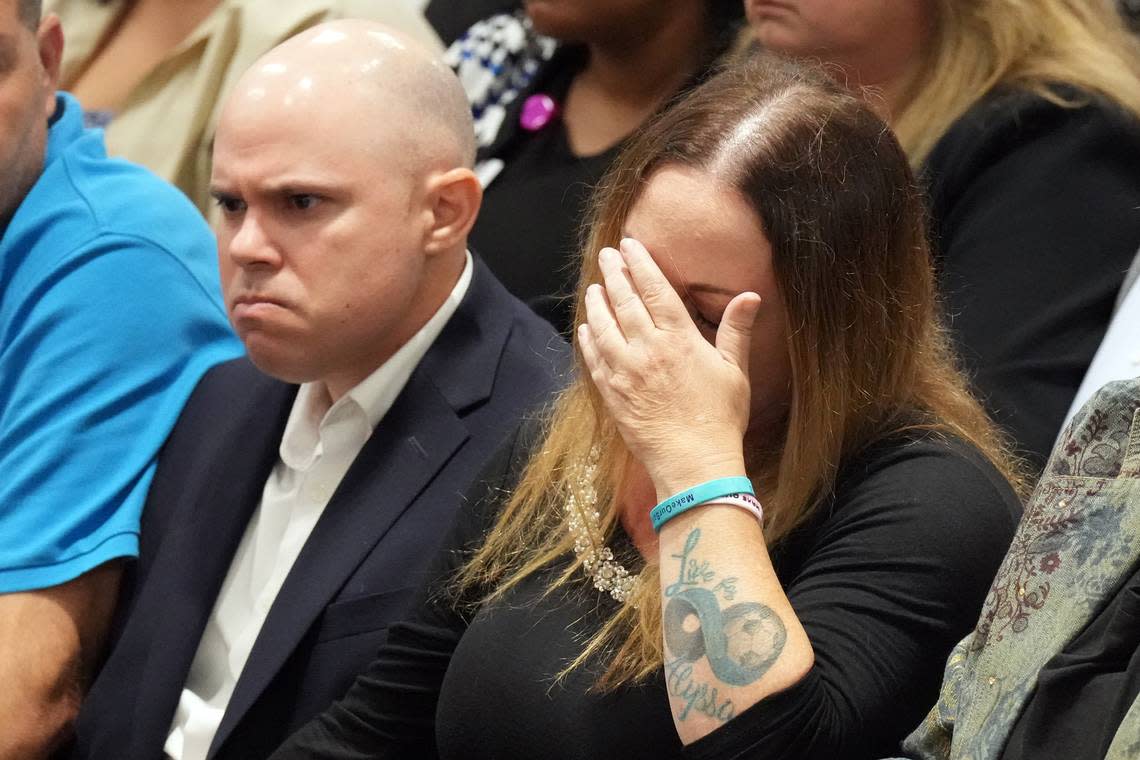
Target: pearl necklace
[584, 522]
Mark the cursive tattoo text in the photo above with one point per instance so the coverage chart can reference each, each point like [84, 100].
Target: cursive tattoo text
[740, 643]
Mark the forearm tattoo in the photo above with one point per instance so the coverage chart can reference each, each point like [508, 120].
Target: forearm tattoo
[740, 642]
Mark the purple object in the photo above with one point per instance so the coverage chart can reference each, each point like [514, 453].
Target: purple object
[537, 112]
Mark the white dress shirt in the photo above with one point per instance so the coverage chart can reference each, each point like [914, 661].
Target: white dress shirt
[320, 442]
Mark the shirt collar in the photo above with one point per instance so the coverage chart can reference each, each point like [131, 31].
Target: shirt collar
[313, 412]
[65, 126]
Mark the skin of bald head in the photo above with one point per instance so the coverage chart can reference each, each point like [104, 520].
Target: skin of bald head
[342, 169]
[382, 65]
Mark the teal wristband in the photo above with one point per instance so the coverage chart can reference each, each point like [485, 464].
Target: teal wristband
[696, 496]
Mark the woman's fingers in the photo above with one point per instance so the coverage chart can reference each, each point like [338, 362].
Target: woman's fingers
[599, 371]
[627, 305]
[661, 302]
[604, 329]
[734, 336]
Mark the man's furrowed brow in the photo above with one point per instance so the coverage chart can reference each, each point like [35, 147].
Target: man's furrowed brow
[300, 184]
[220, 194]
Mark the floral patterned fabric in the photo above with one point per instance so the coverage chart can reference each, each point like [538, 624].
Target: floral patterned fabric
[1077, 542]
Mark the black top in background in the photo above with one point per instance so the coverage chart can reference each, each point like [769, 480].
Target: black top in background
[1036, 218]
[451, 18]
[529, 227]
[886, 579]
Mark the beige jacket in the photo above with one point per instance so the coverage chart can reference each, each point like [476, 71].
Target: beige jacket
[169, 120]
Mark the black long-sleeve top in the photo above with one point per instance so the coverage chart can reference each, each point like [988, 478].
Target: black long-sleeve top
[1036, 217]
[451, 18]
[885, 579]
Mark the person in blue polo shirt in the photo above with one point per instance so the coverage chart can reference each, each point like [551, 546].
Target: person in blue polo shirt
[110, 312]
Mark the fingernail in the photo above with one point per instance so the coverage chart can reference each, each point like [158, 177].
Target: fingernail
[626, 243]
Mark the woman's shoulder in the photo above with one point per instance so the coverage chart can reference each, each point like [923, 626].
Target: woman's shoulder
[926, 504]
[1012, 103]
[925, 473]
[1012, 119]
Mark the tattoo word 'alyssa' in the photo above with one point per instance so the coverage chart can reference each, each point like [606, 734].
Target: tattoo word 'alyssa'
[740, 642]
[679, 681]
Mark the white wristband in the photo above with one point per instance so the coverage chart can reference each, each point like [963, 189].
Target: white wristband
[745, 501]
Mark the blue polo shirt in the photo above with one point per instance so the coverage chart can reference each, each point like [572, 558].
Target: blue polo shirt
[110, 312]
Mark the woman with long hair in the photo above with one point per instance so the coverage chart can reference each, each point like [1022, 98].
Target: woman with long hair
[1023, 119]
[760, 357]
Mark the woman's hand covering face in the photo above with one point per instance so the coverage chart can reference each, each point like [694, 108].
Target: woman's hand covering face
[680, 403]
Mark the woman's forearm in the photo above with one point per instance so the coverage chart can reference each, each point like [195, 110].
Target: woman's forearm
[731, 636]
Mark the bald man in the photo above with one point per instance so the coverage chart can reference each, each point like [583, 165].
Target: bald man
[303, 490]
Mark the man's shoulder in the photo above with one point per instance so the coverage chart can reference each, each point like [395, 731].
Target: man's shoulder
[114, 196]
[86, 207]
[83, 196]
[530, 343]
[496, 361]
[231, 406]
[230, 384]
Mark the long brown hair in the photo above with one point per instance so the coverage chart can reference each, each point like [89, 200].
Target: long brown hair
[837, 200]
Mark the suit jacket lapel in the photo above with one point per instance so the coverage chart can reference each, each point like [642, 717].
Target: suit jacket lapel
[196, 551]
[410, 445]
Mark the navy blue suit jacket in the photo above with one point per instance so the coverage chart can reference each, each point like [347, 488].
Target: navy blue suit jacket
[493, 363]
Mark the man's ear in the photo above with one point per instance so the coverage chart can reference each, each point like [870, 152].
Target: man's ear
[454, 197]
[49, 38]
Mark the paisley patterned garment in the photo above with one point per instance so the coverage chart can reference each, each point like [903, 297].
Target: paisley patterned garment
[1077, 542]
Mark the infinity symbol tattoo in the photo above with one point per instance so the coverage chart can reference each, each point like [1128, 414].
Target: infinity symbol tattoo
[741, 642]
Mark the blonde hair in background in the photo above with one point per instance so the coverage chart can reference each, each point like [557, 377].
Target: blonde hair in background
[1035, 45]
[869, 357]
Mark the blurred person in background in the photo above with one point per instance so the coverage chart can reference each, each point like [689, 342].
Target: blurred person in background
[1052, 669]
[1024, 121]
[110, 312]
[1130, 9]
[451, 18]
[556, 89]
[154, 73]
